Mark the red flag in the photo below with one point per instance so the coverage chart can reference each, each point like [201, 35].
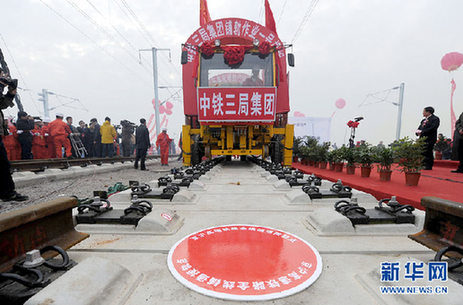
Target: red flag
[204, 16]
[269, 21]
[453, 118]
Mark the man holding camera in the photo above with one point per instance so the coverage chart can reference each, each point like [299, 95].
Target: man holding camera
[7, 188]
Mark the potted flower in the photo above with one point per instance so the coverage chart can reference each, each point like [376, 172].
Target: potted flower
[351, 156]
[310, 144]
[304, 151]
[297, 144]
[385, 158]
[338, 157]
[408, 153]
[366, 159]
[330, 159]
[323, 153]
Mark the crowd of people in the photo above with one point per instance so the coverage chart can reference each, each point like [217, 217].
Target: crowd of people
[33, 138]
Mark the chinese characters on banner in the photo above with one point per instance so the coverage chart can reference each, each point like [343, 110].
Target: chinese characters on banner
[234, 27]
[237, 104]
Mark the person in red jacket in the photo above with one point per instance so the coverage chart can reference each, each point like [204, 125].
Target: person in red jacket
[12, 146]
[50, 144]
[39, 149]
[60, 131]
[163, 142]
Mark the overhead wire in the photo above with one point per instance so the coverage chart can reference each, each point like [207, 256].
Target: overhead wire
[101, 29]
[282, 11]
[144, 29]
[112, 26]
[132, 16]
[379, 99]
[305, 19]
[87, 36]
[261, 11]
[19, 73]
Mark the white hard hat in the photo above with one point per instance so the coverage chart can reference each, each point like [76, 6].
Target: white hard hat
[164, 129]
[60, 115]
[46, 120]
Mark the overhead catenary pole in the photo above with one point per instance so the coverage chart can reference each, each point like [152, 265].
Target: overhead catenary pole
[399, 112]
[154, 52]
[44, 100]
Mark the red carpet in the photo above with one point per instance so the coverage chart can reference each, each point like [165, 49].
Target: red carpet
[439, 182]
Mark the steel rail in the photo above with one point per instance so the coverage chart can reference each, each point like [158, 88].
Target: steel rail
[42, 164]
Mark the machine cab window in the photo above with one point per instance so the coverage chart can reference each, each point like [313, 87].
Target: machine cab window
[254, 71]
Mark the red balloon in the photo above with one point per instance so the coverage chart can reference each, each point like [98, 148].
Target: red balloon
[451, 61]
[340, 103]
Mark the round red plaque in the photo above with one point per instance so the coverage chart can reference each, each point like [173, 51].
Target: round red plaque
[244, 262]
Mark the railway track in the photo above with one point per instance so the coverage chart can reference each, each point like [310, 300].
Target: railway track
[134, 252]
[42, 164]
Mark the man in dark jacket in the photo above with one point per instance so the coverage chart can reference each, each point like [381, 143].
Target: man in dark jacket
[142, 138]
[96, 139]
[459, 137]
[7, 188]
[428, 128]
[24, 125]
[85, 137]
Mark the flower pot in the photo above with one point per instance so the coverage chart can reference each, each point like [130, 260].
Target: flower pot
[411, 179]
[385, 175]
[350, 169]
[438, 155]
[323, 164]
[365, 171]
[338, 167]
[332, 166]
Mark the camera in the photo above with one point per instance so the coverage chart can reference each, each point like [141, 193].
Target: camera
[126, 123]
[127, 127]
[6, 81]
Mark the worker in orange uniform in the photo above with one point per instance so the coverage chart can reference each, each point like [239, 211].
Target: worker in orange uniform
[60, 131]
[48, 139]
[39, 149]
[12, 146]
[163, 142]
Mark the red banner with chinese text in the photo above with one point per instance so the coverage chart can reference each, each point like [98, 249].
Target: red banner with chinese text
[237, 104]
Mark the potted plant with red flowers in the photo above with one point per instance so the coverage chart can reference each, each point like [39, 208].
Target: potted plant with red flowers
[385, 158]
[408, 153]
[366, 159]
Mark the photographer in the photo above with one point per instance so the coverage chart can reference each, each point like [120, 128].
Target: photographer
[128, 129]
[7, 188]
[25, 125]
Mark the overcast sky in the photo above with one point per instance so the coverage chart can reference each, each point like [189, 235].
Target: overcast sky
[347, 49]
